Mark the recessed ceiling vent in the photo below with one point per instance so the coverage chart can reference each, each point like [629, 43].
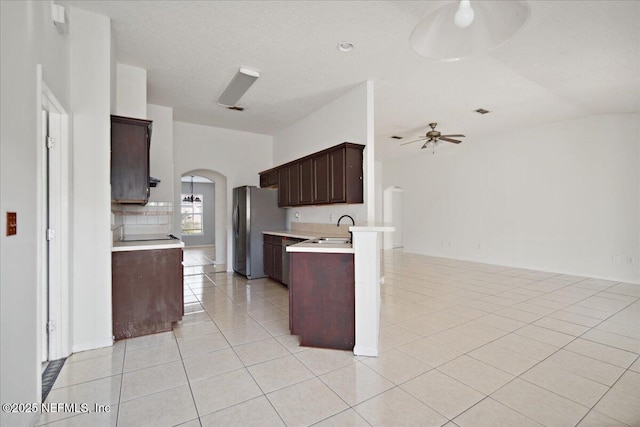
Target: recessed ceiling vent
[396, 137]
[482, 111]
[235, 108]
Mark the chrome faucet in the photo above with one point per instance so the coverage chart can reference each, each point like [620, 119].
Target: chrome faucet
[352, 221]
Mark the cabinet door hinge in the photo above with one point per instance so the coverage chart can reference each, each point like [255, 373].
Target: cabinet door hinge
[51, 142]
[51, 233]
[50, 326]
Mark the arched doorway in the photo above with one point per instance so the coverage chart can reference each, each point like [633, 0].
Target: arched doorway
[220, 210]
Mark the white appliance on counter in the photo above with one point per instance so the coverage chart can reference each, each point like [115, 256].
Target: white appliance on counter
[254, 210]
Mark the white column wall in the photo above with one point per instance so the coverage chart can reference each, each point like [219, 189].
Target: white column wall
[90, 37]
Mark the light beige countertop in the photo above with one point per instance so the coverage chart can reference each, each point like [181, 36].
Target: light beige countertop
[322, 248]
[146, 245]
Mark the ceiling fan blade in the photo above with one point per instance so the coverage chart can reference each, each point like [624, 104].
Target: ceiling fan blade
[455, 141]
[455, 136]
[411, 142]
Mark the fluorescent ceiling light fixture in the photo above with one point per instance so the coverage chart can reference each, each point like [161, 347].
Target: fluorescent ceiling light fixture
[240, 83]
[440, 37]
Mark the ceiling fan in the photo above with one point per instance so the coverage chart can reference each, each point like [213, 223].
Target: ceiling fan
[434, 137]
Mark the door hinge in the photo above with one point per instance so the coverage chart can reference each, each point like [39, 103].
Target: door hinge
[50, 326]
[51, 142]
[51, 233]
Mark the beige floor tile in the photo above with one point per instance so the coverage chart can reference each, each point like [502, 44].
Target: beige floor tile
[269, 314]
[501, 322]
[442, 393]
[503, 359]
[256, 412]
[203, 344]
[596, 419]
[422, 326]
[396, 407]
[224, 390]
[561, 326]
[356, 383]
[152, 380]
[635, 366]
[579, 389]
[277, 327]
[621, 406]
[291, 343]
[320, 360]
[191, 423]
[260, 351]
[207, 365]
[167, 408]
[526, 346]
[476, 374]
[602, 352]
[539, 404]
[535, 308]
[593, 369]
[234, 321]
[115, 351]
[197, 317]
[89, 370]
[348, 418]
[149, 340]
[515, 314]
[306, 403]
[575, 318]
[396, 366]
[547, 336]
[490, 413]
[246, 335]
[150, 356]
[620, 329]
[279, 373]
[430, 351]
[454, 338]
[105, 391]
[195, 330]
[629, 383]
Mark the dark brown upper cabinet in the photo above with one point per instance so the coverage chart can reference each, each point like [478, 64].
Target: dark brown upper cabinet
[333, 175]
[130, 143]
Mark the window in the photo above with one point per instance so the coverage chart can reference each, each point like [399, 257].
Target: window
[191, 223]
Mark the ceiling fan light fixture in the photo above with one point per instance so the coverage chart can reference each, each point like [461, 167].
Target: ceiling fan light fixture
[464, 16]
[240, 83]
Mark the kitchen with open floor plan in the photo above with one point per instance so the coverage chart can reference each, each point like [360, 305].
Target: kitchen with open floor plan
[320, 213]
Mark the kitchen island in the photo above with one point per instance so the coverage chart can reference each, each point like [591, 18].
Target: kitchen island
[365, 251]
[147, 293]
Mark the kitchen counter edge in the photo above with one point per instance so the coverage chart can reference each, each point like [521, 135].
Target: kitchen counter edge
[146, 245]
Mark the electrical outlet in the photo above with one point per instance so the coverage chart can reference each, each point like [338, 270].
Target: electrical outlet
[298, 216]
[631, 260]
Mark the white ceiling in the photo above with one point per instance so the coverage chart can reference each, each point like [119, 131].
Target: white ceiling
[573, 58]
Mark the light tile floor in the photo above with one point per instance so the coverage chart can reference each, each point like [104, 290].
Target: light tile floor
[463, 344]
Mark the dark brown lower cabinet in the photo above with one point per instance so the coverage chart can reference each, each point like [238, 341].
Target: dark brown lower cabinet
[322, 299]
[147, 294]
[272, 256]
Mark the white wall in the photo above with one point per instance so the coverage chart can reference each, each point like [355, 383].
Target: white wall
[564, 197]
[345, 119]
[238, 156]
[90, 37]
[131, 91]
[161, 153]
[27, 38]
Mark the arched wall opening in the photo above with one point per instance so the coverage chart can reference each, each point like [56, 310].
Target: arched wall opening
[220, 206]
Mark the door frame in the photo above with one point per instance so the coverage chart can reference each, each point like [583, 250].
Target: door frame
[59, 254]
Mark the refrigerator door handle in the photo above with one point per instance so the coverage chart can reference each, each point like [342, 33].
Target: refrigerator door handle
[236, 218]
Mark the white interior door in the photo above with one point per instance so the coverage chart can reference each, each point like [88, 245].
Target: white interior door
[397, 206]
[45, 249]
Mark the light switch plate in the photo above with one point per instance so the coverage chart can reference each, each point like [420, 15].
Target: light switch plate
[12, 223]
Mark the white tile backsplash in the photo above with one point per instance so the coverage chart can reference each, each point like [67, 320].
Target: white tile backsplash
[154, 218]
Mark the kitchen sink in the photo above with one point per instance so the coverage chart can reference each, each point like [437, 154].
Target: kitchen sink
[334, 240]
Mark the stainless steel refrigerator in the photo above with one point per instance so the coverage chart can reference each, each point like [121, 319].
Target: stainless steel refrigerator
[254, 210]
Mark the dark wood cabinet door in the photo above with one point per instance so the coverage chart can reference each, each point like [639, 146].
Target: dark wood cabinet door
[264, 180]
[130, 141]
[267, 258]
[321, 178]
[283, 187]
[276, 250]
[294, 184]
[337, 176]
[147, 294]
[306, 181]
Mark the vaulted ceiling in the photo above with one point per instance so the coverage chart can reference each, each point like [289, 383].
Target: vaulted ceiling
[573, 58]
